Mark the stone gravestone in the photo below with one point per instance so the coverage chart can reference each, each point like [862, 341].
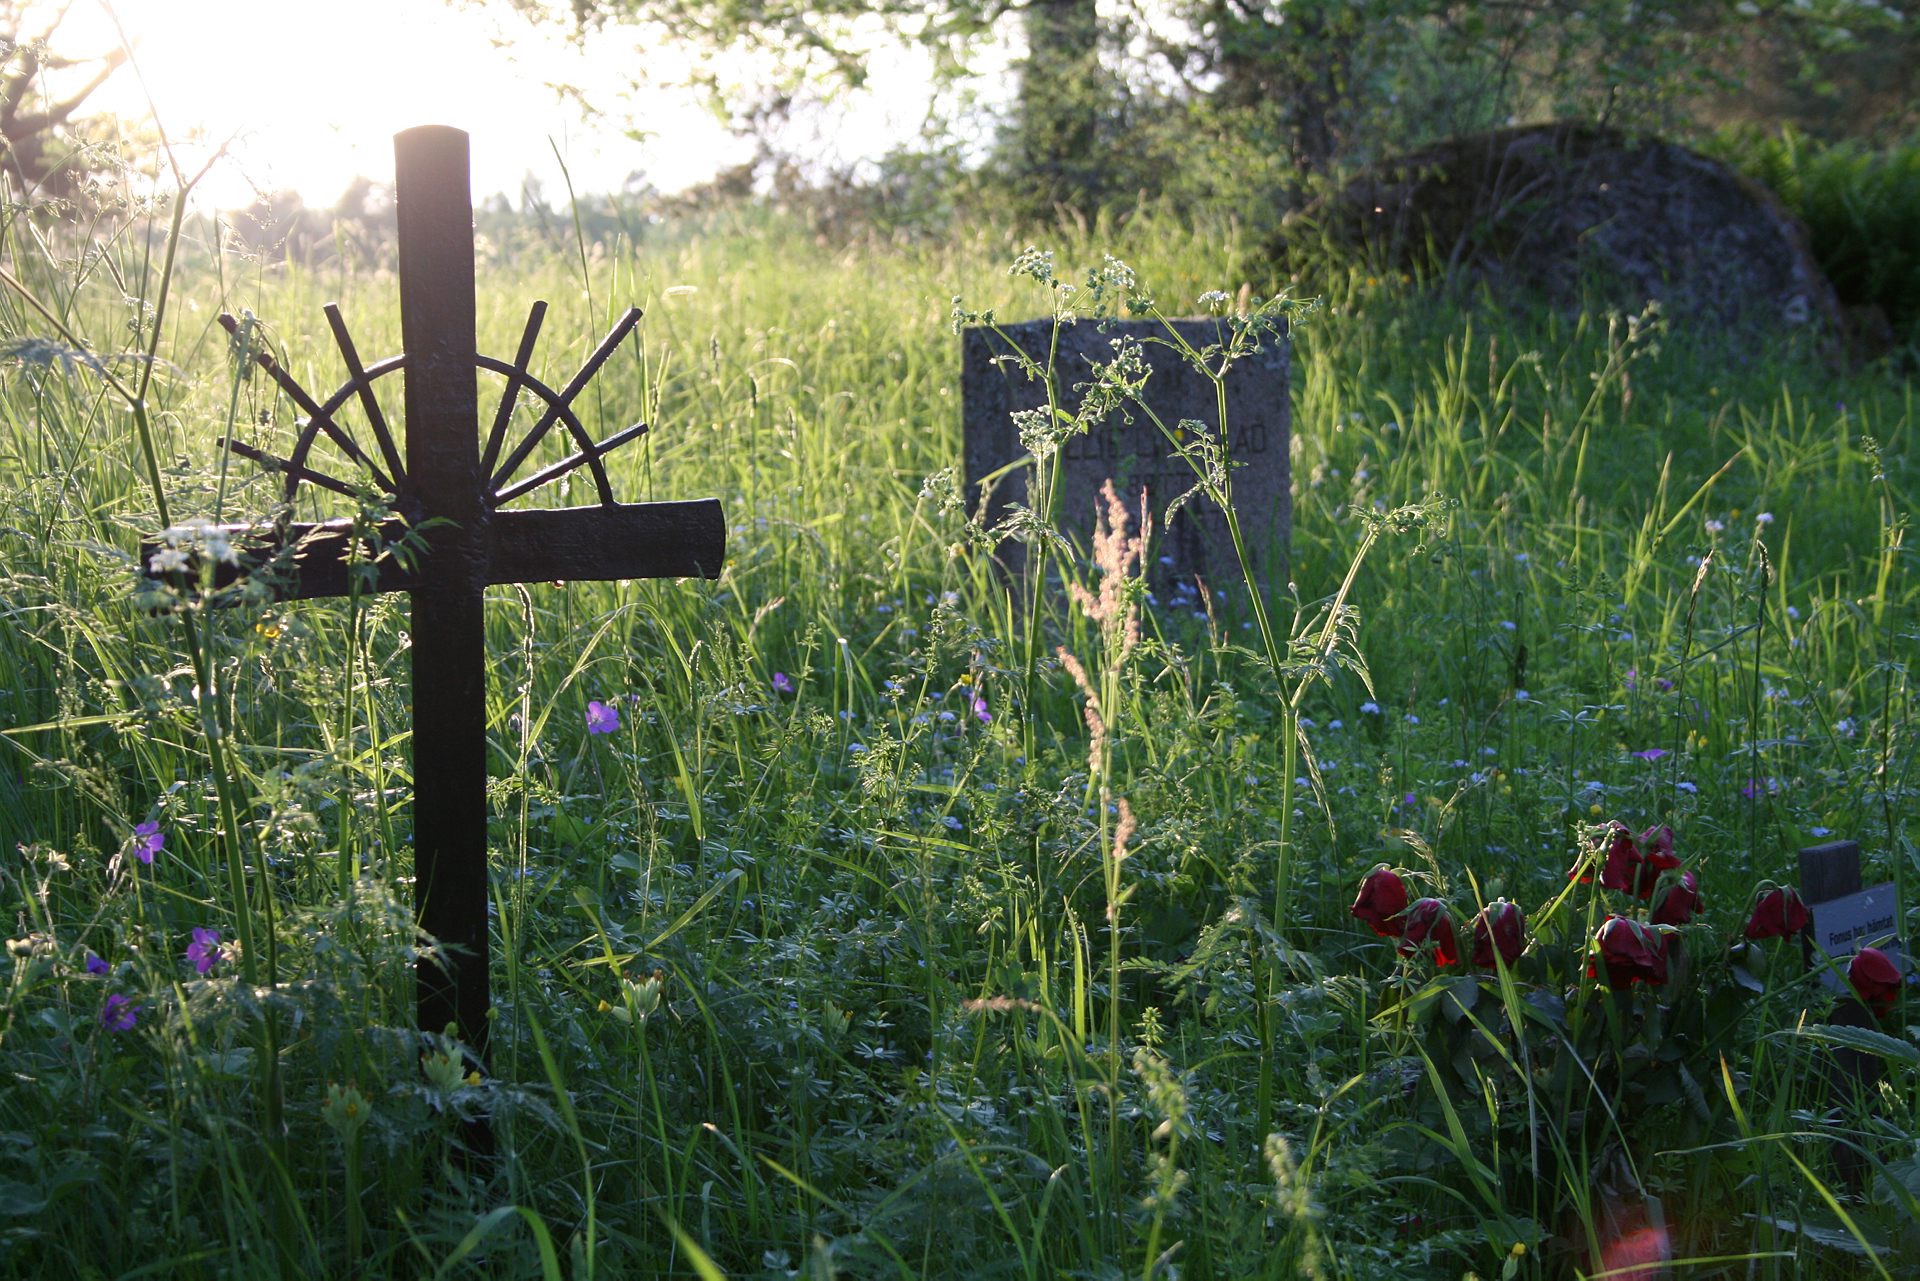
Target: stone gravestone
[993, 386]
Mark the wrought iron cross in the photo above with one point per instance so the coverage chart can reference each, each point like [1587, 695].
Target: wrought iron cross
[452, 478]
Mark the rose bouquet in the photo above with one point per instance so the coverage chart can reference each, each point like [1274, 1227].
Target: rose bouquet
[1564, 1057]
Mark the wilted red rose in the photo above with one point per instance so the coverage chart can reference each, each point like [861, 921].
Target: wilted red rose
[1429, 921]
[1383, 897]
[1875, 979]
[1777, 914]
[1622, 860]
[1631, 952]
[1656, 846]
[1678, 902]
[1500, 925]
[1656, 856]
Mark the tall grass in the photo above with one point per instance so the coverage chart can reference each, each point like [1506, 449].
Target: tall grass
[851, 981]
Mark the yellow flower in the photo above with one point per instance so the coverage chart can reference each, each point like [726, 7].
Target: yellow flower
[1594, 809]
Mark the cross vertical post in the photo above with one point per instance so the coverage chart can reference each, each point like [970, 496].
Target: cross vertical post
[434, 206]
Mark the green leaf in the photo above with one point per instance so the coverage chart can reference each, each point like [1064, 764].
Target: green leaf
[1864, 1039]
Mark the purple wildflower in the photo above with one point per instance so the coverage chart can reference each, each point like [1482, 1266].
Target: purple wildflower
[148, 840]
[204, 951]
[602, 718]
[96, 966]
[1651, 753]
[980, 709]
[1757, 787]
[782, 683]
[119, 1014]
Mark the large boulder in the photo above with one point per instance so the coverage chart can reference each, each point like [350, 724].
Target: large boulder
[1559, 209]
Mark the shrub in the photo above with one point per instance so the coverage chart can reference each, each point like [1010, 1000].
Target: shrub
[1861, 207]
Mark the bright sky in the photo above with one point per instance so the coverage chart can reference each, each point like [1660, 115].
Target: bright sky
[312, 92]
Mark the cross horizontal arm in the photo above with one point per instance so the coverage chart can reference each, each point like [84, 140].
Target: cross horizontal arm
[626, 540]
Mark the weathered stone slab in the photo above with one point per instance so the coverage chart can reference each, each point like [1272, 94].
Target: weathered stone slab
[1133, 455]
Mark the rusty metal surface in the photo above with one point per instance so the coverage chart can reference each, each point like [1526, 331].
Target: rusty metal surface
[314, 560]
[432, 200]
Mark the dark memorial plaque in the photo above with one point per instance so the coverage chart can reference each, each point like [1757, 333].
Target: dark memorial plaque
[451, 485]
[1259, 419]
[1846, 918]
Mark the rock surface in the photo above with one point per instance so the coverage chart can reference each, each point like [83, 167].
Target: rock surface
[1556, 209]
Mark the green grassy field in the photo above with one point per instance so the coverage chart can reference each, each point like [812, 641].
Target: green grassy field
[850, 980]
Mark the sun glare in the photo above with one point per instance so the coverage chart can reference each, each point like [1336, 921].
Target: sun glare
[307, 96]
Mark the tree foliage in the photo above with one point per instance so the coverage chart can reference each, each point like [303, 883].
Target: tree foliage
[1267, 97]
[42, 94]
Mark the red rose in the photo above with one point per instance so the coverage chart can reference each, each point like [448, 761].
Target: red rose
[1656, 856]
[1383, 897]
[1632, 953]
[1623, 858]
[1777, 914]
[1428, 921]
[1875, 979]
[1501, 926]
[1678, 902]
[1656, 846]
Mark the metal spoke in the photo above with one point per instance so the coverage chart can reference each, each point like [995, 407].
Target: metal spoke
[368, 401]
[614, 338]
[497, 436]
[294, 470]
[571, 463]
[298, 395]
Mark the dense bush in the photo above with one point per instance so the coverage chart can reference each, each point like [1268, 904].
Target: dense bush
[1861, 206]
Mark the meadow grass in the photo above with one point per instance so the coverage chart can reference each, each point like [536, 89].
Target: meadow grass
[864, 978]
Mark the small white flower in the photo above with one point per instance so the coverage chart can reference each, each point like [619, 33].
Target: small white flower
[1764, 518]
[220, 548]
[167, 560]
[1715, 526]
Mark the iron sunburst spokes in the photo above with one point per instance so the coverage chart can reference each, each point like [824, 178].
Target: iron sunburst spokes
[323, 419]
